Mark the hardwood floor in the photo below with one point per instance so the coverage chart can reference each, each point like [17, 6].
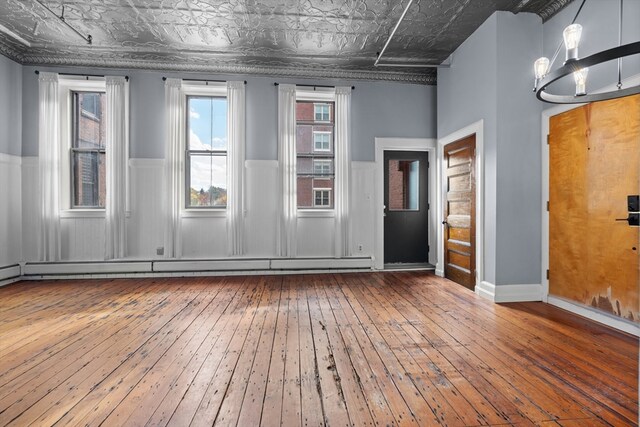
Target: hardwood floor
[350, 349]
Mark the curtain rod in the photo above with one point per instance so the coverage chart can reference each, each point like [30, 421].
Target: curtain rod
[202, 80]
[314, 86]
[83, 75]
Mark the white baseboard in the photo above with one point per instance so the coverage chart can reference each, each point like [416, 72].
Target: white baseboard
[439, 272]
[596, 315]
[509, 293]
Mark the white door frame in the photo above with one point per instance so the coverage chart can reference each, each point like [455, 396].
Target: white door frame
[401, 144]
[476, 128]
[571, 306]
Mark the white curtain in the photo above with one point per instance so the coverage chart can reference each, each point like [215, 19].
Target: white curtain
[235, 166]
[173, 166]
[342, 170]
[287, 223]
[49, 168]
[116, 153]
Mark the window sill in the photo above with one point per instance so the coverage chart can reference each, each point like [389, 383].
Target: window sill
[204, 213]
[316, 213]
[86, 213]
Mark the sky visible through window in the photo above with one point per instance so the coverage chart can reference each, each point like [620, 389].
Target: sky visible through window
[208, 131]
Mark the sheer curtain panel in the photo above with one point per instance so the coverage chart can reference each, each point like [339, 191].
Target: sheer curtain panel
[343, 170]
[287, 223]
[173, 166]
[49, 168]
[117, 158]
[235, 166]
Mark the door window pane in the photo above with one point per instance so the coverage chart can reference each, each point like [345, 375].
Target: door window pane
[404, 184]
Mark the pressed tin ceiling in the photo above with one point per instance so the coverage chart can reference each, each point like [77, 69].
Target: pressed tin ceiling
[303, 38]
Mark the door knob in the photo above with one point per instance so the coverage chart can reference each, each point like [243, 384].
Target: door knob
[445, 222]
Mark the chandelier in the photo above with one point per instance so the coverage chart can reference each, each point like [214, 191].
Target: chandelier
[579, 68]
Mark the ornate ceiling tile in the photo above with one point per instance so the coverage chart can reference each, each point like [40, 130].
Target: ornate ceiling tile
[305, 38]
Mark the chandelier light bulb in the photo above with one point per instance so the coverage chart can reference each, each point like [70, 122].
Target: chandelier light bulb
[541, 67]
[571, 36]
[580, 77]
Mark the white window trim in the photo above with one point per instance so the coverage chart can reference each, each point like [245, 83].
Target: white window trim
[321, 132]
[214, 89]
[65, 87]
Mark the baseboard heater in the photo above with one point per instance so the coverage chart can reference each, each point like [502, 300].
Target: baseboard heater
[10, 272]
[34, 270]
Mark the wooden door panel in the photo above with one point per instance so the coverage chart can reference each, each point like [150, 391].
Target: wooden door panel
[459, 212]
[594, 157]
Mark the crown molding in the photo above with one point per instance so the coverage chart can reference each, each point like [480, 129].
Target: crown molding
[8, 50]
[243, 69]
[552, 8]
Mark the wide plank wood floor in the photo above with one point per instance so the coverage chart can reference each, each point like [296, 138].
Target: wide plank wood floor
[368, 349]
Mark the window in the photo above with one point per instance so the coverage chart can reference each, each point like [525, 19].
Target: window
[322, 167]
[321, 198]
[314, 154]
[206, 152]
[321, 141]
[322, 112]
[88, 148]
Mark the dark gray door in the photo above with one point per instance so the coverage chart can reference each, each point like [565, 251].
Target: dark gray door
[406, 207]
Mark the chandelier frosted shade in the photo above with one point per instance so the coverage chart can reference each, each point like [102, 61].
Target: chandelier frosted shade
[541, 67]
[571, 36]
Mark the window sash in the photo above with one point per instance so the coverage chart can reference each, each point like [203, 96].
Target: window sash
[199, 153]
[95, 179]
[77, 113]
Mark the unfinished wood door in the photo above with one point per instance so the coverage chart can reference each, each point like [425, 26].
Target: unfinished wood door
[594, 156]
[460, 212]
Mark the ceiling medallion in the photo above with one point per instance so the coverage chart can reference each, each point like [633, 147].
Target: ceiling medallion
[579, 68]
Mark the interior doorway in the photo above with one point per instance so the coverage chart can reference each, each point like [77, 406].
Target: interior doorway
[459, 216]
[406, 208]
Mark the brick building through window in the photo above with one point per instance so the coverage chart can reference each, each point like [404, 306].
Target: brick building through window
[315, 160]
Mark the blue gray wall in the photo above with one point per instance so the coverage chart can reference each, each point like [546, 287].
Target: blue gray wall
[10, 106]
[519, 160]
[490, 79]
[467, 93]
[379, 109]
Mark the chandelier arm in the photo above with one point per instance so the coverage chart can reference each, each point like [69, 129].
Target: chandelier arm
[572, 66]
[620, 44]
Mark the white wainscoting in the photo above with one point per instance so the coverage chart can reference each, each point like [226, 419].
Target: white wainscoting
[144, 224]
[10, 210]
[30, 208]
[261, 204]
[362, 208]
[204, 236]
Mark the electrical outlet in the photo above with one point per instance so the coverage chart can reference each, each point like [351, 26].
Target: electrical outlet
[160, 251]
[360, 247]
